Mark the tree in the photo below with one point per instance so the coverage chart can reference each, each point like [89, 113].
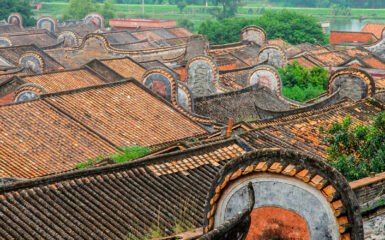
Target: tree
[229, 8]
[301, 84]
[108, 9]
[354, 149]
[21, 7]
[294, 28]
[181, 5]
[186, 23]
[78, 9]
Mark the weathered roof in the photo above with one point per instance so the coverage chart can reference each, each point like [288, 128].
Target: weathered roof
[37, 139]
[374, 28]
[339, 37]
[60, 130]
[301, 131]
[65, 80]
[120, 37]
[12, 54]
[41, 38]
[126, 67]
[127, 114]
[118, 201]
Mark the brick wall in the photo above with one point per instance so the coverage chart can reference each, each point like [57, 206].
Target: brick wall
[367, 189]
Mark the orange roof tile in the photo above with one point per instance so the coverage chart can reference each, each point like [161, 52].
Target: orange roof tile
[126, 67]
[304, 62]
[127, 114]
[64, 80]
[374, 28]
[337, 37]
[180, 32]
[332, 58]
[374, 63]
[38, 140]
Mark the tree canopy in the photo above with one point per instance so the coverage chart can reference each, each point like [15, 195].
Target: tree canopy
[78, 9]
[17, 6]
[354, 149]
[301, 84]
[294, 28]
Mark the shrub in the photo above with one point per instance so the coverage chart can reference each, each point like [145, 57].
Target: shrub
[354, 149]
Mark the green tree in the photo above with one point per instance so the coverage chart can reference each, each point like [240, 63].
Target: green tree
[108, 9]
[78, 9]
[181, 5]
[21, 7]
[301, 84]
[354, 149]
[186, 23]
[294, 28]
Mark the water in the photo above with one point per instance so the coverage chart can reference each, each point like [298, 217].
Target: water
[351, 25]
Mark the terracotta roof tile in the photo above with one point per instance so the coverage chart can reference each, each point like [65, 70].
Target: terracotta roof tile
[374, 28]
[64, 80]
[342, 37]
[123, 201]
[126, 67]
[127, 114]
[301, 131]
[332, 58]
[180, 32]
[374, 63]
[38, 140]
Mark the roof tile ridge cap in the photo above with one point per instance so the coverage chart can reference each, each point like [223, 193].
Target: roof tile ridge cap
[52, 179]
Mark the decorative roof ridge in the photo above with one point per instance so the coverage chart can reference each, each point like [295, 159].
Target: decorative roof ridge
[51, 179]
[57, 71]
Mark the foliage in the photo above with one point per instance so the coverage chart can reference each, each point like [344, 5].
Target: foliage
[354, 149]
[229, 8]
[108, 10]
[17, 6]
[78, 9]
[302, 94]
[125, 154]
[181, 5]
[128, 153]
[294, 28]
[186, 23]
[300, 84]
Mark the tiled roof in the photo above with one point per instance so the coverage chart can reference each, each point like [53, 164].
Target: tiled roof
[332, 58]
[9, 28]
[356, 52]
[58, 131]
[116, 202]
[40, 39]
[337, 37]
[279, 42]
[65, 80]
[180, 32]
[125, 67]
[374, 63]
[127, 114]
[304, 61]
[146, 35]
[37, 140]
[81, 29]
[301, 131]
[120, 37]
[12, 54]
[380, 83]
[374, 28]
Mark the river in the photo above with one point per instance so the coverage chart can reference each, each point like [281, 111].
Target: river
[351, 25]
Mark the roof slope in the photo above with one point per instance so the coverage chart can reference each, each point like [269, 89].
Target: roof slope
[301, 131]
[374, 28]
[65, 80]
[338, 37]
[37, 140]
[117, 201]
[55, 133]
[127, 114]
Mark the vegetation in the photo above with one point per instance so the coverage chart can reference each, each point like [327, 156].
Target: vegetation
[354, 149]
[186, 23]
[20, 6]
[125, 154]
[301, 84]
[290, 26]
[108, 10]
[78, 9]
